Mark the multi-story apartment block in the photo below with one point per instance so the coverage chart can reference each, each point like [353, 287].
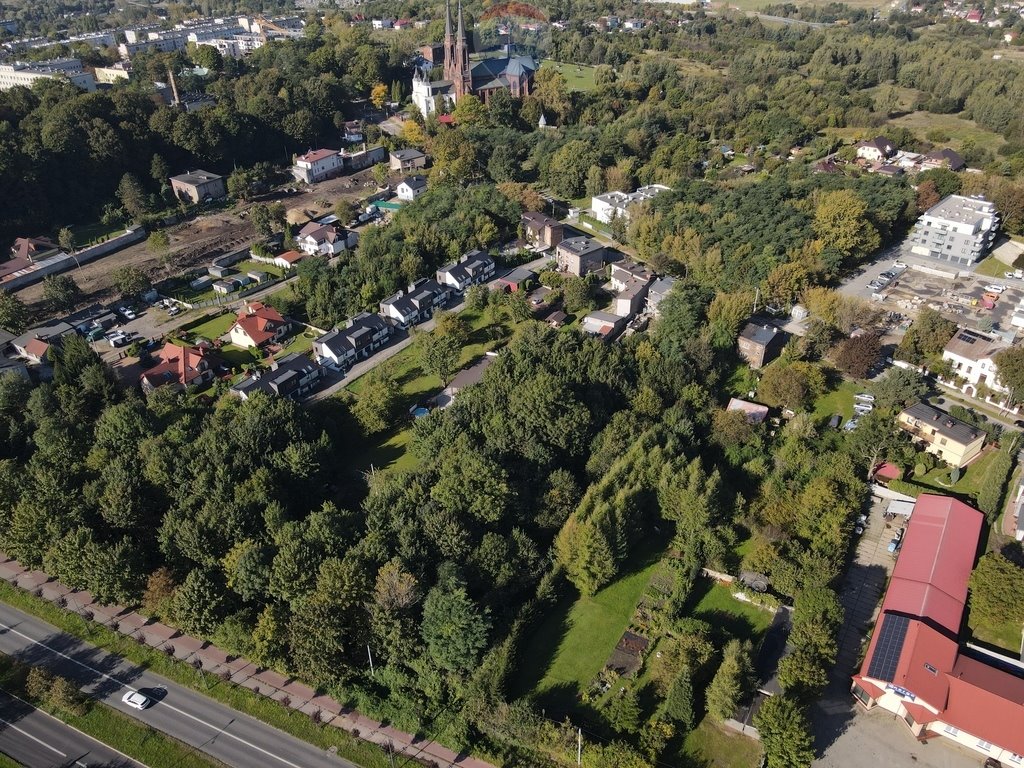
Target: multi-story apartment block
[27, 73]
[959, 230]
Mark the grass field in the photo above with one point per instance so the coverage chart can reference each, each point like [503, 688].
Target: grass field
[719, 608]
[86, 234]
[211, 328]
[710, 746]
[992, 267]
[242, 699]
[301, 342]
[839, 400]
[958, 129]
[113, 728]
[578, 77]
[971, 477]
[583, 635]
[257, 266]
[1006, 636]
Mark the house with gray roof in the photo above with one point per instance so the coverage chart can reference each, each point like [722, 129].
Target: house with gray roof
[760, 344]
[473, 268]
[580, 256]
[954, 441]
[293, 376]
[415, 304]
[364, 335]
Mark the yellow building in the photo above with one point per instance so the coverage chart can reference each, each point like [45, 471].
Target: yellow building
[955, 442]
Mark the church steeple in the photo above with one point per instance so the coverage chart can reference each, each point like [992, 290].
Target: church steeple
[449, 42]
[460, 76]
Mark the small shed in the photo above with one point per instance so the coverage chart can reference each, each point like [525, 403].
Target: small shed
[755, 412]
[215, 270]
[257, 276]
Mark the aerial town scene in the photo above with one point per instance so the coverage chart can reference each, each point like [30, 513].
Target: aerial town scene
[463, 384]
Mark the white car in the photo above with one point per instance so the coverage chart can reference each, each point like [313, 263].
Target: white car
[127, 313]
[862, 409]
[995, 288]
[866, 397]
[136, 700]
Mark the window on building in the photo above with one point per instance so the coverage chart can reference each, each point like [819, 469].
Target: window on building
[951, 730]
[862, 695]
[1016, 759]
[942, 441]
[985, 745]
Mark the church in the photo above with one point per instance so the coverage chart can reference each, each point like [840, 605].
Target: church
[512, 73]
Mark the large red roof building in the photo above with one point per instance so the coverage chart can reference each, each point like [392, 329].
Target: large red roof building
[915, 666]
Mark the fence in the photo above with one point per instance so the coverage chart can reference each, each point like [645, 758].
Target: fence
[64, 262]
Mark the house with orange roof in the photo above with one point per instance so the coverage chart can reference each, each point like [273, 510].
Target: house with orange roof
[31, 249]
[181, 367]
[258, 325]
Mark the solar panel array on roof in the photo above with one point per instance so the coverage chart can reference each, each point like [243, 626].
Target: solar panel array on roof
[889, 647]
[967, 338]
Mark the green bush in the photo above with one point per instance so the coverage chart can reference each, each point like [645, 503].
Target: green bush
[909, 489]
[990, 496]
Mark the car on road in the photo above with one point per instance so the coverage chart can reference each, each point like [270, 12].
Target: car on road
[136, 700]
[995, 288]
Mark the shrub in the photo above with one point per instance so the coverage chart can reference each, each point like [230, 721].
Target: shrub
[65, 695]
[38, 683]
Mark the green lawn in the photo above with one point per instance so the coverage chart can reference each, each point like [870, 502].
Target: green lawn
[301, 342]
[578, 77]
[958, 129]
[257, 266]
[211, 327]
[6, 762]
[297, 724]
[113, 728]
[1006, 636]
[971, 477]
[711, 746]
[391, 452]
[88, 234]
[719, 608]
[992, 267]
[839, 400]
[586, 635]
[236, 356]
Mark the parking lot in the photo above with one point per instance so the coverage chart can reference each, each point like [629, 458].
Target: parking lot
[957, 296]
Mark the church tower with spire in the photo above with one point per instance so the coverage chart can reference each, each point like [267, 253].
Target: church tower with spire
[462, 79]
[449, 42]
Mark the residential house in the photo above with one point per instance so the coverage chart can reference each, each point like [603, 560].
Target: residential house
[755, 413]
[318, 239]
[32, 249]
[415, 304]
[955, 442]
[364, 334]
[659, 289]
[286, 260]
[918, 666]
[34, 344]
[958, 229]
[518, 279]
[364, 158]
[943, 158]
[613, 205]
[876, 150]
[556, 319]
[541, 232]
[383, 23]
[473, 268]
[406, 160]
[580, 256]
[353, 132]
[293, 376]
[198, 186]
[411, 187]
[972, 357]
[258, 325]
[318, 165]
[467, 377]
[760, 344]
[181, 367]
[974, 16]
[603, 324]
[631, 281]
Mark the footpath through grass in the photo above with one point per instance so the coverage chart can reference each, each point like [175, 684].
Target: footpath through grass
[111, 727]
[268, 711]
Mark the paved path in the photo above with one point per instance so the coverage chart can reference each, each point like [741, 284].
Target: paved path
[38, 740]
[221, 732]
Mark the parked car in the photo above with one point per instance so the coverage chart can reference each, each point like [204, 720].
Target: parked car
[866, 397]
[136, 700]
[174, 310]
[995, 288]
[888, 275]
[118, 339]
[863, 409]
[126, 312]
[835, 421]
[850, 425]
[95, 334]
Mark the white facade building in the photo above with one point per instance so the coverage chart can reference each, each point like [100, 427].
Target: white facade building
[27, 73]
[613, 205]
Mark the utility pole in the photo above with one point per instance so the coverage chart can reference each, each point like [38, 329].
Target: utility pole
[757, 294]
[370, 657]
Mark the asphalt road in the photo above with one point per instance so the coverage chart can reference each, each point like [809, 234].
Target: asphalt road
[221, 732]
[37, 740]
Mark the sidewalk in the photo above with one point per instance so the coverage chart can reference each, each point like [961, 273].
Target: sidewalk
[200, 654]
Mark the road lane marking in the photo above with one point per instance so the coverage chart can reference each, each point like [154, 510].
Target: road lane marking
[76, 730]
[219, 730]
[50, 747]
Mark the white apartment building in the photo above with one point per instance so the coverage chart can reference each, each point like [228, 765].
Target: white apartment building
[613, 205]
[27, 73]
[959, 230]
[972, 356]
[317, 165]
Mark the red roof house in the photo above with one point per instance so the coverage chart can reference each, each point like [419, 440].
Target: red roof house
[915, 666]
[181, 367]
[31, 248]
[258, 325]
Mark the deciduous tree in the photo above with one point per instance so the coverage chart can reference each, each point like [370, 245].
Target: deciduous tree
[785, 733]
